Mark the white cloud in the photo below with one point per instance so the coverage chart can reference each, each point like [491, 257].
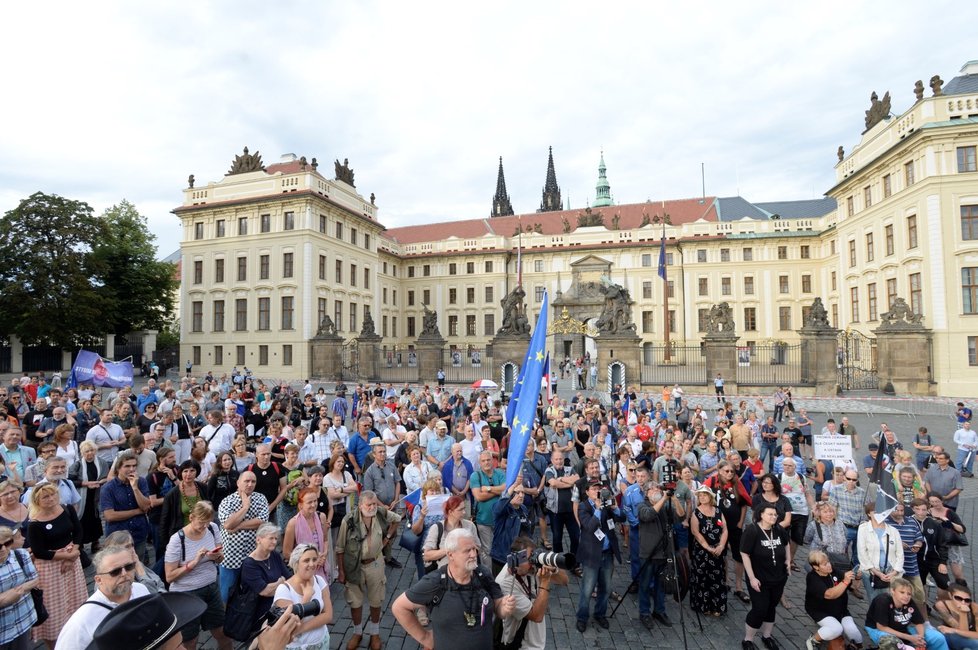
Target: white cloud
[110, 100]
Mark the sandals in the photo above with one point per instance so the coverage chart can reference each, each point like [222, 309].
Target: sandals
[742, 597]
[545, 544]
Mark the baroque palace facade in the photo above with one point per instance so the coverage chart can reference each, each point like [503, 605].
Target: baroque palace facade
[269, 251]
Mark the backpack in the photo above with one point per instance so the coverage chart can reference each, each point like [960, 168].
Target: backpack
[183, 540]
[485, 581]
[433, 566]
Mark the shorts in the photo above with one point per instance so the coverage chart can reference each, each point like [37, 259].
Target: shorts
[373, 582]
[798, 525]
[213, 616]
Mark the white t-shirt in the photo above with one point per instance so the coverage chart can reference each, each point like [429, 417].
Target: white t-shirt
[219, 438]
[79, 630]
[471, 450]
[317, 635]
[535, 637]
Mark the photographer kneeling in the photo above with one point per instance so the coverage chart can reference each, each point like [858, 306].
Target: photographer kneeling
[529, 583]
[655, 519]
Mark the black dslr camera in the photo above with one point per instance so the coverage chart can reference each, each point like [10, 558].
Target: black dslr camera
[541, 558]
[302, 610]
[607, 498]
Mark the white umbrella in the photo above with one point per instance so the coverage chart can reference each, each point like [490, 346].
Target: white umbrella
[486, 384]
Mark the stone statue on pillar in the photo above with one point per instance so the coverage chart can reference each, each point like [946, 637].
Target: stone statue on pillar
[429, 324]
[616, 317]
[818, 318]
[900, 317]
[515, 322]
[721, 320]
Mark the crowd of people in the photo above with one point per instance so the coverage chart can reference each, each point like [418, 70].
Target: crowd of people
[224, 502]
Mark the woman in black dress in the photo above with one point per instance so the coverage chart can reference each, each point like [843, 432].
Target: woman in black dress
[767, 563]
[89, 474]
[708, 588]
[769, 493]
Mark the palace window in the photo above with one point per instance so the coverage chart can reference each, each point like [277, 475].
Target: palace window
[218, 315]
[240, 314]
[288, 221]
[912, 231]
[704, 286]
[647, 322]
[969, 289]
[891, 292]
[749, 285]
[750, 319]
[453, 325]
[724, 254]
[969, 222]
[197, 320]
[916, 295]
[219, 270]
[288, 312]
[287, 355]
[242, 269]
[854, 303]
[783, 286]
[701, 255]
[887, 186]
[287, 264]
[221, 228]
[784, 318]
[725, 286]
[782, 252]
[647, 290]
[908, 175]
[198, 271]
[262, 355]
[265, 223]
[199, 230]
[242, 225]
[870, 248]
[871, 294]
[806, 283]
[264, 314]
[888, 238]
[748, 254]
[966, 159]
[489, 324]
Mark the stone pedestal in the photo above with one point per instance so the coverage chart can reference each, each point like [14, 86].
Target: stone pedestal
[368, 350]
[431, 355]
[904, 361]
[326, 360]
[720, 351]
[624, 349]
[508, 349]
[818, 359]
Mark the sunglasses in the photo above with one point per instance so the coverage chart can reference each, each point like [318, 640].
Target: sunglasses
[10, 542]
[851, 479]
[116, 572]
[961, 599]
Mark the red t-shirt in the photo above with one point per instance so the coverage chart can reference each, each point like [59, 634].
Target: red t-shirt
[644, 432]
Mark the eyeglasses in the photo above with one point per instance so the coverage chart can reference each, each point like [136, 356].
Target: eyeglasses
[116, 572]
[960, 599]
[10, 542]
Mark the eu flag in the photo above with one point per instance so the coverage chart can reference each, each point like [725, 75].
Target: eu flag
[521, 426]
[662, 255]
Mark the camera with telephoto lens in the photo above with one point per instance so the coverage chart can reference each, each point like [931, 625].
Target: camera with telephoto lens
[541, 558]
[607, 498]
[302, 610]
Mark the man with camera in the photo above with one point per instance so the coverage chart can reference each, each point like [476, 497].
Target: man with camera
[528, 578]
[462, 597]
[655, 514]
[597, 552]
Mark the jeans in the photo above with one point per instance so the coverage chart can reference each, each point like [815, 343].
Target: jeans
[769, 450]
[633, 544]
[600, 576]
[566, 520]
[851, 535]
[957, 642]
[778, 412]
[227, 578]
[935, 640]
[962, 454]
[651, 579]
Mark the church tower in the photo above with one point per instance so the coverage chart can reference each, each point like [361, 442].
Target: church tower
[501, 206]
[603, 198]
[551, 193]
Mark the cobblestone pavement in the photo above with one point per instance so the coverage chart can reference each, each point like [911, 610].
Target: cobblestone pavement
[626, 632]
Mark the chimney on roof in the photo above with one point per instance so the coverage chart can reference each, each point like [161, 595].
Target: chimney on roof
[288, 157]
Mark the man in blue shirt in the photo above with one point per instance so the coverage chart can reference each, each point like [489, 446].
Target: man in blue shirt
[124, 505]
[596, 553]
[632, 499]
[487, 486]
[912, 540]
[359, 445]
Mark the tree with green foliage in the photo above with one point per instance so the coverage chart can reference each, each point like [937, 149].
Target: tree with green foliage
[49, 285]
[67, 277]
[140, 288]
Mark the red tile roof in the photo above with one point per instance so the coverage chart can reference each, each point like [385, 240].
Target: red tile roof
[293, 167]
[680, 211]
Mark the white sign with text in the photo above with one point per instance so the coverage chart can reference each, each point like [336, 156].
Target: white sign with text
[836, 448]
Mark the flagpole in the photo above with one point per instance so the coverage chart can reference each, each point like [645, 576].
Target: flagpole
[519, 253]
[665, 298]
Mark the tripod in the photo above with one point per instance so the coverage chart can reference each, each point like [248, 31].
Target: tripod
[669, 572]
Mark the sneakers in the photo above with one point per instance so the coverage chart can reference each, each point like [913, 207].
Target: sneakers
[770, 643]
[747, 645]
[813, 644]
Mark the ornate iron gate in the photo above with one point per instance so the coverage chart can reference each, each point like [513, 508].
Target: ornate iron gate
[856, 357]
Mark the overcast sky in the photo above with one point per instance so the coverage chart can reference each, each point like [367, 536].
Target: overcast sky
[105, 101]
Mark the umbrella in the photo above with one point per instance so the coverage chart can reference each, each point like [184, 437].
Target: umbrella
[487, 384]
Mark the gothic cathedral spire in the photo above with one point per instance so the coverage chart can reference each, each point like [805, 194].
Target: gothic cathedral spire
[501, 206]
[551, 193]
[603, 198]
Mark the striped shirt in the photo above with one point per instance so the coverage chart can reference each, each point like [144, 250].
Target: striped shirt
[18, 617]
[909, 535]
